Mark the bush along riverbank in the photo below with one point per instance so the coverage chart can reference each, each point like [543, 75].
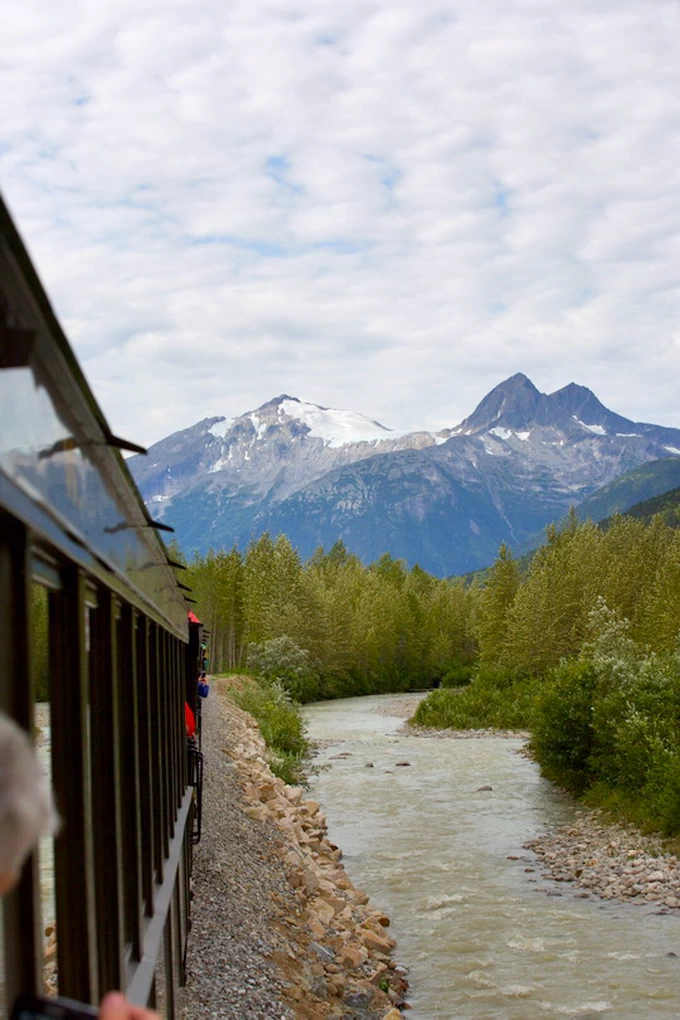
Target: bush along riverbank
[604, 724]
[280, 722]
[338, 962]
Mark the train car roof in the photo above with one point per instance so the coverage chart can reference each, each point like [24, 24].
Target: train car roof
[61, 469]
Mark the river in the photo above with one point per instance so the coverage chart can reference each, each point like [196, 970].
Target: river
[483, 935]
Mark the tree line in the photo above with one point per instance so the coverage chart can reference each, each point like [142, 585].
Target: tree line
[338, 627]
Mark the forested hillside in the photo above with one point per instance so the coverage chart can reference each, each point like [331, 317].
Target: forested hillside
[666, 506]
[631, 488]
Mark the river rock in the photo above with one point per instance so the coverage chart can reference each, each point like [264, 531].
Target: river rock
[324, 954]
[359, 999]
[372, 940]
[353, 956]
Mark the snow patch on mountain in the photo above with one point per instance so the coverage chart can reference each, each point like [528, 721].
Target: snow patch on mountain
[220, 464]
[504, 433]
[672, 449]
[259, 426]
[335, 427]
[597, 430]
[220, 428]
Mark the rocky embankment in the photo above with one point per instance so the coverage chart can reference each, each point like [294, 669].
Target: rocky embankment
[276, 917]
[610, 861]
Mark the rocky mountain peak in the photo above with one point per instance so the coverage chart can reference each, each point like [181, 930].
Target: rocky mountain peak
[582, 406]
[513, 404]
[275, 403]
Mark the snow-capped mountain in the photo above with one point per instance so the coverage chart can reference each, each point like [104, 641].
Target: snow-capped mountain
[272, 451]
[445, 500]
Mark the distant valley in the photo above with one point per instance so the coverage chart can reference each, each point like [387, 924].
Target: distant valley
[445, 500]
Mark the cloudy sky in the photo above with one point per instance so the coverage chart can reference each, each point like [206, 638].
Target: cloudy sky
[382, 205]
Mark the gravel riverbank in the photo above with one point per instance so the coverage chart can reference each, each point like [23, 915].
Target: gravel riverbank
[278, 929]
[613, 862]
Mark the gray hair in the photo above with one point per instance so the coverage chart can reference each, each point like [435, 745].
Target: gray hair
[26, 807]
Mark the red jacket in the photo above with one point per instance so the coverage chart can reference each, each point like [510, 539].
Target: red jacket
[189, 721]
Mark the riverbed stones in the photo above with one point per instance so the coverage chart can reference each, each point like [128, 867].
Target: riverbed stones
[614, 862]
[332, 940]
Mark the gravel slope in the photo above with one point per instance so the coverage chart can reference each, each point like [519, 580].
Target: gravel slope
[240, 888]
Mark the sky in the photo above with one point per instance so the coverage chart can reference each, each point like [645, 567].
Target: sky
[388, 206]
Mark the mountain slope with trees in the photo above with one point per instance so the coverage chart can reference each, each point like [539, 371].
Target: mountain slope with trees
[666, 506]
[632, 488]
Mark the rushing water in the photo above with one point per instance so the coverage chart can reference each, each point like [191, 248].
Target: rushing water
[482, 935]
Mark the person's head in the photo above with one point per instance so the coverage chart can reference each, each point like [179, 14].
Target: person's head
[26, 806]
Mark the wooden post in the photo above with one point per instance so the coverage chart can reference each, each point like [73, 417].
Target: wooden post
[133, 850]
[71, 771]
[147, 791]
[106, 790]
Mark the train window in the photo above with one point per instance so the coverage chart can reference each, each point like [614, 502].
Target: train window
[43, 740]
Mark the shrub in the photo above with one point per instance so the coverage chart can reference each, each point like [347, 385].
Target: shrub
[663, 792]
[281, 660]
[562, 733]
[280, 723]
[457, 676]
[606, 726]
[491, 700]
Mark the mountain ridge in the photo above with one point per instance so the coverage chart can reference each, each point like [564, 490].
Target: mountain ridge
[444, 499]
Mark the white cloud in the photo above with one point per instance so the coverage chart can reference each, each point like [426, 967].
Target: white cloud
[383, 206]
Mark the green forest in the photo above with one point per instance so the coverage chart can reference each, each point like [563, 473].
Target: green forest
[581, 646]
[330, 627]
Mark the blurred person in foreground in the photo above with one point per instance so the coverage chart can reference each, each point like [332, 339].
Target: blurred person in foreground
[27, 813]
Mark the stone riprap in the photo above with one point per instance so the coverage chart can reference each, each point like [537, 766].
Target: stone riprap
[614, 862]
[279, 930]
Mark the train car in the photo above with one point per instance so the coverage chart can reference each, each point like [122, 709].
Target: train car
[86, 586]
